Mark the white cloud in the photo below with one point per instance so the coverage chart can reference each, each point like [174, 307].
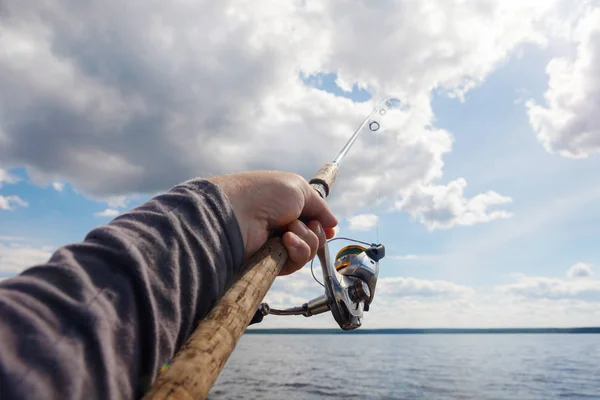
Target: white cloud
[362, 222]
[109, 212]
[11, 202]
[16, 255]
[12, 239]
[408, 302]
[418, 303]
[7, 178]
[442, 207]
[570, 123]
[482, 310]
[280, 300]
[449, 44]
[556, 288]
[342, 84]
[58, 186]
[413, 257]
[209, 88]
[580, 270]
[412, 287]
[300, 282]
[406, 257]
[117, 201]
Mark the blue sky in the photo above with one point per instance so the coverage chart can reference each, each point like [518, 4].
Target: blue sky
[526, 257]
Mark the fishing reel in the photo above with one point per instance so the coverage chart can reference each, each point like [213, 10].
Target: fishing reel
[349, 284]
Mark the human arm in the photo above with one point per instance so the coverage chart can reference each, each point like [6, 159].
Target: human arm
[101, 316]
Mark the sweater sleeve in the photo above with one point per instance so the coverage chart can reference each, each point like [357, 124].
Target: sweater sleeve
[100, 318]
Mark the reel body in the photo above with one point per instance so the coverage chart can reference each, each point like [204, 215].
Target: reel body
[355, 261]
[349, 284]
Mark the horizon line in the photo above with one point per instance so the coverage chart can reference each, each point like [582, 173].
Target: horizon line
[572, 330]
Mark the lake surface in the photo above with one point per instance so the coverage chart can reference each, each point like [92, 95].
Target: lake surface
[471, 366]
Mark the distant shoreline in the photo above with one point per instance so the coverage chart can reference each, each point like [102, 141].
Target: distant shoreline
[495, 331]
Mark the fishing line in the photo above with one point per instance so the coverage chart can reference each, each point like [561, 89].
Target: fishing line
[377, 185]
[386, 105]
[372, 121]
[312, 271]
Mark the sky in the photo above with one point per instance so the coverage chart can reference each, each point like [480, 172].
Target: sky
[484, 186]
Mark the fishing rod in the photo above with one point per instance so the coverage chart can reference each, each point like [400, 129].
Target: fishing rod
[349, 290]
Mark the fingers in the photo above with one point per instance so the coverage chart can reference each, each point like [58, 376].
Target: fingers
[302, 243]
[316, 207]
[298, 250]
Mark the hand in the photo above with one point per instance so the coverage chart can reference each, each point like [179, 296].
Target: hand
[267, 200]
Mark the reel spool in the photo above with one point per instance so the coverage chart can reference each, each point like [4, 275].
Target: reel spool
[346, 255]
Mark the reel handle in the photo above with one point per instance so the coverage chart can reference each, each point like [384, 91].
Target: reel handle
[196, 367]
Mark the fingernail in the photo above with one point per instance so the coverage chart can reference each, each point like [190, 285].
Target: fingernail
[319, 229]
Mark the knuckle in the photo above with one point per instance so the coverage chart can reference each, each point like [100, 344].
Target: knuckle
[291, 179]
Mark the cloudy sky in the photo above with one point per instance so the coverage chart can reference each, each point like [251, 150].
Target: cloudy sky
[484, 185]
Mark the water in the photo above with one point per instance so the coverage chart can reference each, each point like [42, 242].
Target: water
[412, 367]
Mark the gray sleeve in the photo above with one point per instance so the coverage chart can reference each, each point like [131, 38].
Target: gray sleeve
[100, 318]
